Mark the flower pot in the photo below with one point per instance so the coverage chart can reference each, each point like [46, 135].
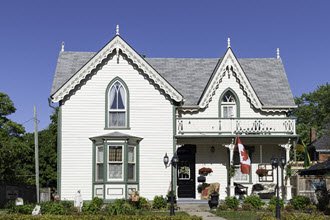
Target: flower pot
[214, 200]
[201, 179]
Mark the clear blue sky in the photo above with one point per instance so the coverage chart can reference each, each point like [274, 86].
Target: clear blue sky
[31, 33]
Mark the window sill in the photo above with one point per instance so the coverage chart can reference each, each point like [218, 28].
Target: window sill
[118, 128]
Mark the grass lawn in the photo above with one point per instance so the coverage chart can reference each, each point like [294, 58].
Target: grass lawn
[238, 215]
[255, 215]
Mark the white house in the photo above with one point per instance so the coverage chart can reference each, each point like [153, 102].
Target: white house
[119, 113]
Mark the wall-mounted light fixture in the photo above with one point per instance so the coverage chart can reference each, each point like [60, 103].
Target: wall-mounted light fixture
[212, 149]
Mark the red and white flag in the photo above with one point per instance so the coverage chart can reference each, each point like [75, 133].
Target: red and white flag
[244, 157]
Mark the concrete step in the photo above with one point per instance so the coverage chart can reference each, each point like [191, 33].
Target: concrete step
[194, 206]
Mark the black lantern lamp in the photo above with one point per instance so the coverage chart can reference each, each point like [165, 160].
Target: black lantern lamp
[174, 162]
[275, 164]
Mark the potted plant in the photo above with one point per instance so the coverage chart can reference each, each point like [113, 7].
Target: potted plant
[261, 172]
[201, 187]
[204, 171]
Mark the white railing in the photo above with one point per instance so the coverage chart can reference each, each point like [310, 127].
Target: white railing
[232, 126]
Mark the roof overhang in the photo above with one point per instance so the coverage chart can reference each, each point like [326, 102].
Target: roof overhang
[118, 46]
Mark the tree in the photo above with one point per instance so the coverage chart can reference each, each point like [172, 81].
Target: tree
[15, 155]
[313, 111]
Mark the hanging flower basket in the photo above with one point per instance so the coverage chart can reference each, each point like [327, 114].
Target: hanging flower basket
[201, 179]
[261, 172]
[204, 171]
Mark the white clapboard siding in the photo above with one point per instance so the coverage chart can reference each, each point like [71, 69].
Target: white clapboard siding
[217, 161]
[83, 116]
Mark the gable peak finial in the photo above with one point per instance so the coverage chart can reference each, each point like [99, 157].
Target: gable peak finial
[62, 46]
[228, 42]
[278, 53]
[117, 29]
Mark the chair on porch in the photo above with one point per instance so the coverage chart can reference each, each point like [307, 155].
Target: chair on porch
[240, 190]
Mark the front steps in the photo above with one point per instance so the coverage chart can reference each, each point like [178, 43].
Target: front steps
[193, 205]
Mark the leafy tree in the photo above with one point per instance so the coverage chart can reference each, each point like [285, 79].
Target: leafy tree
[15, 155]
[313, 111]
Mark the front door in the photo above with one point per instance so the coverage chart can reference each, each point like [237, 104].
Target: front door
[186, 171]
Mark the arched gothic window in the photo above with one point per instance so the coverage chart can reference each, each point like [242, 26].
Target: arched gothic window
[117, 105]
[228, 105]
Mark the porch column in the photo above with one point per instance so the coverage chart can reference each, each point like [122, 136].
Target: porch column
[288, 186]
[231, 187]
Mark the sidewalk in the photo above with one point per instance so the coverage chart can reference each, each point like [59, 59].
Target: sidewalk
[206, 215]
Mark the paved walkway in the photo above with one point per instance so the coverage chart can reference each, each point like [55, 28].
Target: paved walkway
[206, 215]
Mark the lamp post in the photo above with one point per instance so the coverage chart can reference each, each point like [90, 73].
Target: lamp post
[275, 164]
[174, 162]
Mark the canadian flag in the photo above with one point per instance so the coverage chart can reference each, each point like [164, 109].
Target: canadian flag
[244, 157]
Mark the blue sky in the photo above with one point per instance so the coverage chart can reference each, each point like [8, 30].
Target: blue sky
[31, 33]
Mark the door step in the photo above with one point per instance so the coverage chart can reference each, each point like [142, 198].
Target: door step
[192, 205]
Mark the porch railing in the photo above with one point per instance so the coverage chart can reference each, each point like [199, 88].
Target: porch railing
[232, 126]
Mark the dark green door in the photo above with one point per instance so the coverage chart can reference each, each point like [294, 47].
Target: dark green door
[186, 171]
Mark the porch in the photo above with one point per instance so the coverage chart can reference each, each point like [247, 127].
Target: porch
[232, 126]
[218, 153]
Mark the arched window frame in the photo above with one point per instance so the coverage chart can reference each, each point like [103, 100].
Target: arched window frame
[107, 105]
[237, 103]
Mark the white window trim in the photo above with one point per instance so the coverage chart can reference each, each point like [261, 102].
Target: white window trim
[117, 110]
[115, 162]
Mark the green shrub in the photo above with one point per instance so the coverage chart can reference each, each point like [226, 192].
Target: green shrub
[289, 208]
[93, 207]
[120, 207]
[142, 204]
[273, 201]
[247, 207]
[222, 207]
[232, 202]
[300, 202]
[311, 208]
[22, 209]
[254, 200]
[266, 216]
[53, 208]
[159, 202]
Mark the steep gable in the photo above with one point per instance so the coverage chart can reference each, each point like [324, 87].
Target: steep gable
[117, 46]
[190, 76]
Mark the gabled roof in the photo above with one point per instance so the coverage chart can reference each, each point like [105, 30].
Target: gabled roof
[322, 144]
[115, 47]
[190, 75]
[317, 169]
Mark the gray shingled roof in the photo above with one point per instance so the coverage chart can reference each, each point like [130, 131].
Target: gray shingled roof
[190, 75]
[323, 143]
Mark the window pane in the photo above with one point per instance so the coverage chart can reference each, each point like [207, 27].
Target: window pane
[121, 98]
[225, 112]
[99, 155]
[115, 171]
[115, 153]
[113, 98]
[131, 172]
[99, 171]
[131, 158]
[117, 119]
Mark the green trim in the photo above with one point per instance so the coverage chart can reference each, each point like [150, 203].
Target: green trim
[59, 150]
[125, 180]
[125, 165]
[237, 101]
[126, 127]
[174, 147]
[93, 167]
